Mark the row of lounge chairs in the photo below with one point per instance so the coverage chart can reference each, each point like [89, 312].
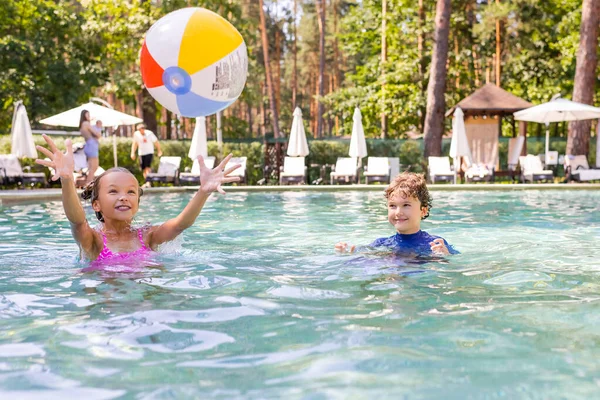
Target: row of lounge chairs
[294, 170]
[530, 167]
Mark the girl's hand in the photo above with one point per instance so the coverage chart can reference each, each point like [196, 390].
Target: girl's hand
[62, 164]
[343, 247]
[211, 179]
[439, 247]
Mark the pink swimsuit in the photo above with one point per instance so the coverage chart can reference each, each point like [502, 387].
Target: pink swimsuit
[107, 255]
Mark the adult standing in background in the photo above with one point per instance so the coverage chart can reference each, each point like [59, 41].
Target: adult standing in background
[92, 144]
[145, 141]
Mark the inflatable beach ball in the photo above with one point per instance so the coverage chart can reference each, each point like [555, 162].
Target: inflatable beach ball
[194, 62]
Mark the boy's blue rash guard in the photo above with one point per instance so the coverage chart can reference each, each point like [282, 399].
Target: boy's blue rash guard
[418, 243]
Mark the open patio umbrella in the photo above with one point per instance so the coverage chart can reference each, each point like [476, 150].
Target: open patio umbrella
[298, 145]
[199, 146]
[358, 145]
[108, 116]
[459, 146]
[22, 144]
[557, 110]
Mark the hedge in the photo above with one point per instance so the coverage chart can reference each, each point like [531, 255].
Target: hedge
[322, 152]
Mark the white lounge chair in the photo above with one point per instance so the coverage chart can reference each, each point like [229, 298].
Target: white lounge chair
[577, 168]
[168, 170]
[12, 172]
[552, 159]
[193, 177]
[241, 171]
[439, 169]
[294, 171]
[345, 170]
[479, 173]
[532, 169]
[377, 170]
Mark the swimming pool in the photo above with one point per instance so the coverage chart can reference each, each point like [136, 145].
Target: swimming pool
[253, 302]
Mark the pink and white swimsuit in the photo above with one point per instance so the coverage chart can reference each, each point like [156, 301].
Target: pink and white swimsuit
[106, 255]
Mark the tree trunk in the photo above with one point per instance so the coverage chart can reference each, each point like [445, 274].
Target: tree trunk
[578, 141]
[337, 80]
[421, 52]
[383, 61]
[271, 89]
[436, 104]
[295, 59]
[321, 18]
[277, 74]
[250, 122]
[498, 49]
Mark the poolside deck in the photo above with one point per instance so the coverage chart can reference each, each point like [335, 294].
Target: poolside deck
[8, 197]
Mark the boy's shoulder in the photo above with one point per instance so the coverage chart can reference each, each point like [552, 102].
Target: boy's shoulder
[428, 235]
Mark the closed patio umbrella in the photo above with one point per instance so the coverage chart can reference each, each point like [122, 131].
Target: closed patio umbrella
[358, 144]
[199, 146]
[598, 144]
[459, 146]
[298, 145]
[22, 144]
[557, 110]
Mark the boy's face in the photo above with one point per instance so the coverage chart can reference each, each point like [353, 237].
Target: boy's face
[405, 213]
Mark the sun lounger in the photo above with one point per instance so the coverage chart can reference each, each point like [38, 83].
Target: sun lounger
[377, 170]
[12, 172]
[168, 170]
[578, 169]
[294, 171]
[479, 173]
[241, 171]
[439, 169]
[193, 177]
[345, 170]
[532, 169]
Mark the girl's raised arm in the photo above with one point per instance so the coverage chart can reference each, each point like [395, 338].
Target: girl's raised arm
[63, 166]
[210, 181]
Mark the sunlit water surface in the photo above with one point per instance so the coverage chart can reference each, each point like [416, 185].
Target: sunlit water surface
[253, 303]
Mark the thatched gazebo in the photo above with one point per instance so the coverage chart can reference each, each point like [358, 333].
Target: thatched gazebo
[484, 111]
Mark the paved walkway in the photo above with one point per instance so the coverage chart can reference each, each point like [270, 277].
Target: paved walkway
[19, 196]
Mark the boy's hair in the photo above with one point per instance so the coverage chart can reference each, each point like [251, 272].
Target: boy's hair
[90, 192]
[409, 184]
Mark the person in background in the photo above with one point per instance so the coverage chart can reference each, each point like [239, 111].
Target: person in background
[92, 144]
[98, 127]
[144, 142]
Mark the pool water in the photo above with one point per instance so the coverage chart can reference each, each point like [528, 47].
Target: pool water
[254, 303]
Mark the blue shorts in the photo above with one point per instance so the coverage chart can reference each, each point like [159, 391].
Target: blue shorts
[91, 148]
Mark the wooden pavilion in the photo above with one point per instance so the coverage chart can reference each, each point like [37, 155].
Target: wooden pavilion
[484, 111]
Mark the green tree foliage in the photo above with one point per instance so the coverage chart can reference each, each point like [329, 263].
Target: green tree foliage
[47, 59]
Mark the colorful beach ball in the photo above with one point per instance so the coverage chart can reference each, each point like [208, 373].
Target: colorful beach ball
[194, 62]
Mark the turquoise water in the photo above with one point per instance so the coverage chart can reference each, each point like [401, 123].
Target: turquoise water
[253, 303]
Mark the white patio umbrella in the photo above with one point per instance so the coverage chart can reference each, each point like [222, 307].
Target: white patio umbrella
[459, 146]
[108, 116]
[557, 110]
[358, 145]
[199, 146]
[22, 144]
[298, 145]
